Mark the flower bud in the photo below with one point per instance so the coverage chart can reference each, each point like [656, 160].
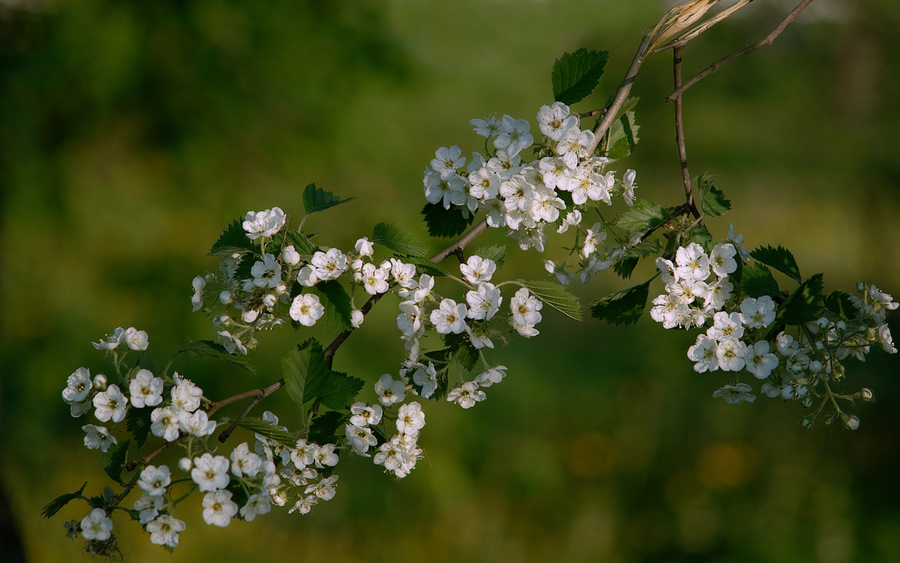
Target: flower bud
[356, 318]
[866, 394]
[249, 315]
[185, 464]
[225, 297]
[807, 423]
[100, 381]
[851, 422]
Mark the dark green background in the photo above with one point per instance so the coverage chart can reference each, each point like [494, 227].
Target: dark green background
[131, 133]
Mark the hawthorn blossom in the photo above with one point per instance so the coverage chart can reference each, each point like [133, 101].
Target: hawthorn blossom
[186, 395]
[210, 473]
[483, 302]
[196, 423]
[329, 265]
[478, 269]
[730, 354]
[554, 121]
[410, 419]
[112, 341]
[164, 423]
[735, 393]
[365, 415]
[390, 391]
[491, 376]
[136, 339]
[306, 309]
[148, 507]
[110, 404]
[692, 261]
[164, 530]
[198, 283]
[758, 312]
[98, 438]
[324, 489]
[364, 247]
[78, 386]
[759, 361]
[721, 259]
[360, 437]
[466, 395]
[218, 508]
[449, 317]
[703, 352]
[374, 279]
[96, 526]
[256, 505]
[426, 378]
[266, 223]
[154, 480]
[525, 308]
[514, 135]
[146, 390]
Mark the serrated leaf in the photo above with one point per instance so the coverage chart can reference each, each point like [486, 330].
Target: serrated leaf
[839, 303]
[575, 75]
[442, 222]
[336, 301]
[208, 349]
[644, 215]
[114, 460]
[303, 368]
[232, 240]
[266, 430]
[701, 235]
[324, 427]
[461, 351]
[493, 252]
[138, 423]
[300, 242]
[316, 199]
[557, 296]
[625, 267]
[714, 201]
[340, 390]
[757, 280]
[649, 247]
[804, 304]
[394, 238]
[623, 307]
[779, 258]
[56, 504]
[619, 149]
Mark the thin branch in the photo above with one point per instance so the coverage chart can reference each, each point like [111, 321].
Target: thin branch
[459, 245]
[679, 137]
[612, 111]
[769, 39]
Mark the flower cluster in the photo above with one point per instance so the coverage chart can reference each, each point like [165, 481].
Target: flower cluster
[554, 188]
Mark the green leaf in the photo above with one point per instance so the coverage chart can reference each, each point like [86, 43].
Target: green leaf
[232, 240]
[575, 75]
[839, 303]
[56, 504]
[208, 349]
[714, 201]
[701, 235]
[340, 390]
[316, 199]
[138, 423]
[649, 247]
[494, 252]
[300, 242]
[301, 367]
[461, 351]
[336, 301]
[426, 266]
[324, 427]
[266, 430]
[625, 267]
[623, 307]
[804, 304]
[757, 280]
[643, 216]
[555, 295]
[778, 258]
[445, 222]
[623, 134]
[114, 460]
[392, 237]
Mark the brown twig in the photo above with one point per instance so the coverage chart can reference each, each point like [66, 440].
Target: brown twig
[621, 95]
[679, 136]
[769, 39]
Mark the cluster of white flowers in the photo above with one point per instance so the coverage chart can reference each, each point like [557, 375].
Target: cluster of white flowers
[525, 196]
[798, 367]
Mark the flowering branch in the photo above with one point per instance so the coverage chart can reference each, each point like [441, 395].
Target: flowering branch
[679, 137]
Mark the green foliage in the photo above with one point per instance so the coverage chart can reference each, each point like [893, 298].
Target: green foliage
[138, 423]
[575, 75]
[316, 199]
[324, 427]
[839, 303]
[701, 236]
[778, 258]
[308, 378]
[623, 133]
[114, 460]
[644, 215]
[336, 300]
[266, 430]
[446, 222]
[209, 349]
[233, 240]
[339, 390]
[394, 238]
[757, 280]
[623, 307]
[625, 267]
[300, 242]
[495, 252]
[555, 295]
[56, 504]
[804, 304]
[713, 199]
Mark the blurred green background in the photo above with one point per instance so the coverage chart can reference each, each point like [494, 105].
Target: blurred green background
[132, 132]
